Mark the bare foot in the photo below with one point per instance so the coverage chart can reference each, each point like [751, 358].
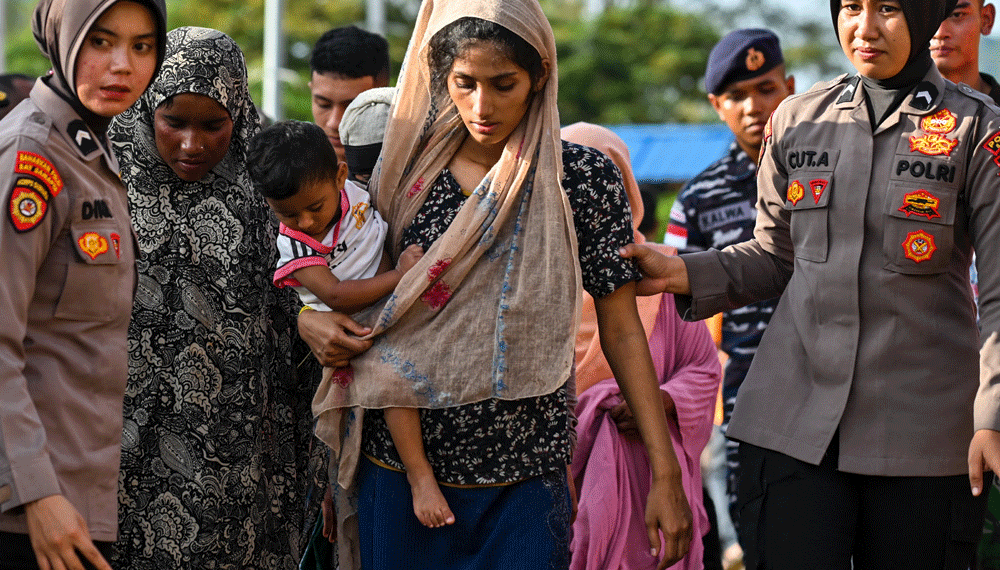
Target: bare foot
[429, 504]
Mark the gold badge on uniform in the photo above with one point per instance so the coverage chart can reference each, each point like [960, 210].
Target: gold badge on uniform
[796, 191]
[919, 246]
[921, 203]
[934, 142]
[818, 186]
[755, 60]
[93, 244]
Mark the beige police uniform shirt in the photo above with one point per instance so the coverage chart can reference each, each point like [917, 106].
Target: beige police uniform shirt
[66, 298]
[867, 236]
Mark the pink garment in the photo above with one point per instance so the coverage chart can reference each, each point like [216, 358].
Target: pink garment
[612, 473]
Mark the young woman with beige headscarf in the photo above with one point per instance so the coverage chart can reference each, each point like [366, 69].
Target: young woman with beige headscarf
[480, 334]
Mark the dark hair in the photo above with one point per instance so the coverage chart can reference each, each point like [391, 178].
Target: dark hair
[451, 41]
[287, 155]
[352, 52]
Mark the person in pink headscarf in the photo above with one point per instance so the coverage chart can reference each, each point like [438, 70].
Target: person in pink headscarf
[610, 466]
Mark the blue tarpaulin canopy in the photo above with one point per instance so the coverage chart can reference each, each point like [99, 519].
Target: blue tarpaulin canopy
[673, 153]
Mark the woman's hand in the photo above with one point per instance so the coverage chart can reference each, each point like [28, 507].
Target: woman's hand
[410, 256]
[625, 420]
[984, 455]
[333, 337]
[667, 511]
[59, 535]
[664, 274]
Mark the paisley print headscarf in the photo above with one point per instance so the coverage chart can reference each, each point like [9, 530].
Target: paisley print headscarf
[217, 424]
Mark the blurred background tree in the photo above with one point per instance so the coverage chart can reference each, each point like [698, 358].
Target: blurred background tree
[620, 61]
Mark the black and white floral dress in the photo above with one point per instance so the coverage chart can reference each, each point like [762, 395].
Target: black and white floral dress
[217, 457]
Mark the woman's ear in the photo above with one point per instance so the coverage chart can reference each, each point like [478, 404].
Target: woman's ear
[546, 69]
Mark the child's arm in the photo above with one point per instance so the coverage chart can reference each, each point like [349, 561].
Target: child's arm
[627, 350]
[353, 295]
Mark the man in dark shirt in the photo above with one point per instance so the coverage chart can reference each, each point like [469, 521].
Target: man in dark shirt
[955, 46]
[745, 80]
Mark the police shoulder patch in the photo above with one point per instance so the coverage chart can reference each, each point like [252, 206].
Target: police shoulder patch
[27, 207]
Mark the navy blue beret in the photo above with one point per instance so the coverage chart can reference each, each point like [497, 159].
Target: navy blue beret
[742, 54]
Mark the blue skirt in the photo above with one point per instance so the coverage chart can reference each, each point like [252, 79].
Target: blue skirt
[521, 526]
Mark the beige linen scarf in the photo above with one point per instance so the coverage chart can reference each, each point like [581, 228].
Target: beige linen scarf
[491, 310]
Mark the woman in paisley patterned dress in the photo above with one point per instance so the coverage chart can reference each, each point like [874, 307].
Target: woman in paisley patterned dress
[217, 428]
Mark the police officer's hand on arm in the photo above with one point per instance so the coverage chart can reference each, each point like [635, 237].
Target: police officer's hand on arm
[333, 337]
[984, 455]
[59, 535]
[664, 274]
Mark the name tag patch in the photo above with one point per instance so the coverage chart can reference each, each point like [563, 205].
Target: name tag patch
[724, 215]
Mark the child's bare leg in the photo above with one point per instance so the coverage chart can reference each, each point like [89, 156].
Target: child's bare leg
[429, 504]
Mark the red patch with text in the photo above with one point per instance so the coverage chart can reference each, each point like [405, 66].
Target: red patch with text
[919, 246]
[921, 203]
[993, 146]
[38, 166]
[93, 244]
[796, 192]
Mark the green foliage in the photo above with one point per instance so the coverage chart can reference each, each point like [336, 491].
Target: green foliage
[639, 64]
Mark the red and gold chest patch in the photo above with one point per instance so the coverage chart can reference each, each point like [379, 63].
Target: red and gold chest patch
[818, 186]
[933, 145]
[39, 167]
[27, 207]
[116, 242]
[921, 203]
[934, 142]
[796, 191]
[993, 146]
[93, 244]
[919, 246]
[940, 123]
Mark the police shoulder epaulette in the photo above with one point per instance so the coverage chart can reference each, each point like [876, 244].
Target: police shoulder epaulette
[972, 93]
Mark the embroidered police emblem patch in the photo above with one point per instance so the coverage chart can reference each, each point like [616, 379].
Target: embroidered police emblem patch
[921, 203]
[919, 246]
[93, 244]
[27, 208]
[796, 191]
[818, 186]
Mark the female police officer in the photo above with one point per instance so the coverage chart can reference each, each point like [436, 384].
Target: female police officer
[857, 412]
[69, 275]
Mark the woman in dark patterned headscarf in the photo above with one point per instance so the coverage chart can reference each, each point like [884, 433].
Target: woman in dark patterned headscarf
[217, 426]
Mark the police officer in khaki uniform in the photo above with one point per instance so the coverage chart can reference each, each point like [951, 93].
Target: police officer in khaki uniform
[858, 410]
[69, 278]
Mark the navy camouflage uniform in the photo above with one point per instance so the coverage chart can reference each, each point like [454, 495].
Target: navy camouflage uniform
[715, 209]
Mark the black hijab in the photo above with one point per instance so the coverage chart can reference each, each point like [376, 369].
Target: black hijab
[922, 20]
